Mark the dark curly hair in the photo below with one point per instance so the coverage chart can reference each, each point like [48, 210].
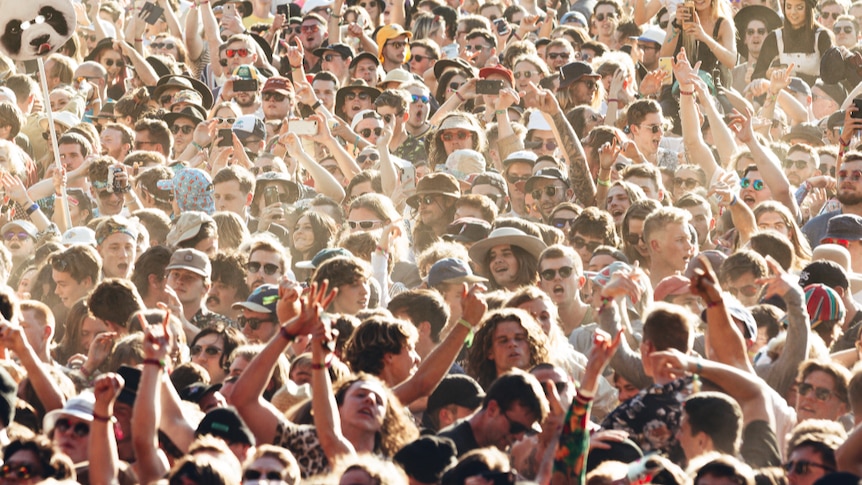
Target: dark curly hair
[484, 370]
[375, 338]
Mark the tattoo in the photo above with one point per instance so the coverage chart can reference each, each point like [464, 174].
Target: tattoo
[580, 178]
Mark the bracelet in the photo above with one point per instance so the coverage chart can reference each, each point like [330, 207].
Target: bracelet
[698, 365]
[287, 335]
[585, 396]
[604, 183]
[156, 362]
[139, 40]
[104, 419]
[85, 372]
[33, 208]
[613, 100]
[197, 145]
[327, 363]
[316, 105]
[469, 340]
[335, 16]
[712, 304]
[734, 200]
[686, 93]
[460, 97]
[841, 142]
[499, 112]
[381, 250]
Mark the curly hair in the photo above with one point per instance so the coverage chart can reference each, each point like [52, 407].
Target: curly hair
[484, 370]
[373, 339]
[133, 104]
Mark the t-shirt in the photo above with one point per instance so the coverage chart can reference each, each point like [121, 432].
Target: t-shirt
[304, 444]
[462, 434]
[247, 22]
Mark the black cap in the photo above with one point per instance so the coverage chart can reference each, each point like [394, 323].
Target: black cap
[195, 392]
[459, 389]
[827, 273]
[427, 458]
[225, 423]
[343, 50]
[132, 377]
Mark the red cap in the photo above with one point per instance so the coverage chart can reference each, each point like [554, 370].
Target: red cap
[280, 85]
[499, 70]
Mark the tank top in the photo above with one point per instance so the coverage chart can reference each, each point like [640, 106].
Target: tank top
[807, 64]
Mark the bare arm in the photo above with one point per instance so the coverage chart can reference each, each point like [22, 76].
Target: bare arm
[102, 450]
[171, 19]
[193, 35]
[692, 137]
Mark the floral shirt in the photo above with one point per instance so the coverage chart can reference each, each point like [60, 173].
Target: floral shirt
[570, 458]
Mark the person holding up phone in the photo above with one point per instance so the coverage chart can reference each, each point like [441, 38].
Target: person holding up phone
[705, 28]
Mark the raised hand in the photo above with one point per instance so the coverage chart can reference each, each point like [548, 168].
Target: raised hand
[107, 389]
[623, 283]
[473, 306]
[705, 283]
[289, 292]
[741, 125]
[779, 282]
[608, 154]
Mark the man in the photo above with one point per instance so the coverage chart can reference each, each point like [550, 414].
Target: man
[116, 140]
[96, 76]
[493, 186]
[259, 321]
[549, 187]
[739, 275]
[540, 137]
[590, 229]
[434, 199]
[606, 16]
[649, 45]
[278, 99]
[849, 195]
[427, 311]
[240, 50]
[447, 277]
[247, 98]
[800, 164]
[821, 390]
[228, 284]
[457, 396]
[517, 169]
[75, 271]
[38, 325]
[110, 186]
[189, 277]
[647, 177]
[325, 85]
[846, 230]
[117, 244]
[424, 53]
[559, 53]
[336, 59]
[710, 422]
[562, 278]
[312, 35]
[182, 124]
[668, 239]
[513, 405]
[233, 191]
[830, 10]
[366, 66]
[646, 125]
[350, 276]
[391, 105]
[19, 237]
[266, 263]
[113, 302]
[417, 124]
[153, 135]
[393, 46]
[149, 276]
[702, 219]
[481, 46]
[251, 132]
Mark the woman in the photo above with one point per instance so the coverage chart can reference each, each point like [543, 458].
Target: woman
[313, 231]
[509, 258]
[129, 109]
[634, 246]
[165, 44]
[449, 83]
[458, 130]
[81, 329]
[801, 41]
[708, 35]
[583, 119]
[373, 8]
[371, 211]
[34, 460]
[771, 215]
[529, 68]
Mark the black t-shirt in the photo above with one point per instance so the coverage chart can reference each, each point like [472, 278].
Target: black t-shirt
[462, 434]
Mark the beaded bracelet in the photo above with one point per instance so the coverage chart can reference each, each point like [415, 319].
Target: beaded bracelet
[156, 362]
[105, 419]
[686, 93]
[287, 335]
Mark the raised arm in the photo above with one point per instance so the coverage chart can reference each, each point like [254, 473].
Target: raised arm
[12, 337]
[151, 463]
[102, 450]
[625, 361]
[692, 138]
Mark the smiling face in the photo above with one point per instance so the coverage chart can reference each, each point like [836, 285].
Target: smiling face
[810, 406]
[303, 235]
[504, 266]
[352, 298]
[618, 203]
[795, 12]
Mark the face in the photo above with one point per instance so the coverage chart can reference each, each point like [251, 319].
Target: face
[112, 61]
[143, 141]
[420, 60]
[478, 51]
[59, 100]
[403, 364]
[90, 328]
[325, 92]
[829, 13]
[557, 56]
[366, 69]
[228, 197]
[370, 129]
[356, 101]
[750, 194]
[773, 221]
[220, 297]
[510, 348]
[456, 139]
[702, 221]
[433, 213]
[266, 326]
[360, 216]
[585, 245]
[649, 52]
[503, 265]
[744, 288]
[643, 135]
[352, 298]
[69, 290]
[794, 11]
[312, 34]
[509, 425]
[18, 242]
[393, 50]
[65, 437]
[419, 107]
[542, 188]
[672, 247]
[618, 203]
[525, 72]
[684, 181]
[70, 156]
[812, 472]
[267, 266]
[583, 90]
[364, 406]
[688, 442]
[605, 20]
[542, 142]
[625, 388]
[276, 106]
[190, 287]
[811, 405]
[266, 465]
[207, 352]
[118, 255]
[303, 235]
[647, 185]
[543, 313]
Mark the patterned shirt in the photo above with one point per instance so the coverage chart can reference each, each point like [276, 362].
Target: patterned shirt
[302, 441]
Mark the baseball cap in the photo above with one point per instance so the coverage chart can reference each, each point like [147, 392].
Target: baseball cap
[653, 34]
[343, 50]
[452, 270]
[458, 389]
[192, 260]
[671, 286]
[323, 255]
[187, 226]
[827, 273]
[461, 163]
[22, 224]
[196, 391]
[493, 179]
[262, 300]
[388, 32]
[277, 84]
[499, 70]
[467, 230]
[246, 71]
[546, 174]
[247, 126]
[225, 423]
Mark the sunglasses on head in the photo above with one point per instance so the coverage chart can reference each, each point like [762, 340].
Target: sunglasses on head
[353, 95]
[241, 52]
[253, 323]
[550, 191]
[186, 129]
[368, 156]
[754, 184]
[848, 29]
[602, 16]
[18, 471]
[420, 98]
[258, 475]
[747, 291]
[461, 135]
[832, 240]
[277, 97]
[634, 239]
[209, 350]
[16, 235]
[119, 62]
[760, 31]
[561, 222]
[550, 274]
[581, 243]
[803, 467]
[163, 45]
[81, 430]
[821, 393]
[268, 268]
[799, 164]
[362, 224]
[853, 176]
[685, 183]
[366, 132]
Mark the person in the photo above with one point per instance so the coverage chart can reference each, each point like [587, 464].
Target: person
[188, 275]
[258, 312]
[562, 279]
[508, 257]
[75, 271]
[667, 235]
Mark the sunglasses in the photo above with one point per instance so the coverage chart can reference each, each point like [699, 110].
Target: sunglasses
[461, 135]
[119, 62]
[663, 24]
[799, 164]
[646, 47]
[581, 243]
[803, 467]
[210, 350]
[353, 95]
[166, 99]
[426, 200]
[848, 29]
[515, 428]
[453, 86]
[755, 184]
[254, 323]
[634, 239]
[399, 44]
[268, 268]
[832, 240]
[560, 222]
[91, 38]
[422, 99]
[756, 31]
[550, 274]
[163, 45]
[277, 97]
[363, 224]
[370, 156]
[186, 129]
[16, 235]
[512, 179]
[526, 74]
[310, 29]
[854, 176]
[366, 132]
[257, 475]
[535, 145]
[19, 471]
[419, 58]
[228, 121]
[550, 191]
[292, 30]
[231, 53]
[81, 430]
[476, 48]
[263, 169]
[653, 128]
[602, 16]
[821, 393]
[561, 55]
[827, 15]
[685, 183]
[331, 57]
[747, 291]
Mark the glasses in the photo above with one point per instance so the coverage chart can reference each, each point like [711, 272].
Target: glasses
[561, 55]
[821, 393]
[186, 129]
[310, 29]
[268, 268]
[331, 57]
[799, 164]
[756, 31]
[363, 224]
[263, 169]
[16, 235]
[602, 16]
[476, 48]
[455, 85]
[91, 37]
[20, 471]
[399, 44]
[277, 97]
[685, 183]
[419, 58]
[366, 132]
[163, 45]
[589, 83]
[231, 53]
[832, 240]
[526, 74]
[827, 15]
[165, 99]
[581, 243]
[560, 222]
[848, 29]
[292, 30]
[422, 99]
[803, 467]
[653, 128]
[228, 121]
[550, 191]
[81, 430]
[515, 428]
[210, 350]
[513, 179]
[747, 291]
[110, 62]
[854, 176]
[353, 95]
[257, 475]
[754, 184]
[461, 135]
[426, 200]
[646, 47]
[535, 145]
[369, 156]
[80, 79]
[634, 239]
[550, 274]
[254, 323]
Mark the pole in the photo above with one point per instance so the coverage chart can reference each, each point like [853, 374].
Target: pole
[63, 200]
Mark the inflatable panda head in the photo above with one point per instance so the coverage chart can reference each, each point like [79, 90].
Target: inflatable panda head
[35, 28]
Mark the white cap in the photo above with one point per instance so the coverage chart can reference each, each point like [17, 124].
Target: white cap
[79, 235]
[653, 34]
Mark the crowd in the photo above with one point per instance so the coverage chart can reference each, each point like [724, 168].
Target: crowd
[462, 242]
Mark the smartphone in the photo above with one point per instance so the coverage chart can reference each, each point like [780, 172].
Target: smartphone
[502, 26]
[489, 86]
[666, 64]
[408, 178]
[685, 13]
[244, 85]
[226, 137]
[857, 102]
[283, 10]
[302, 127]
[154, 13]
[270, 195]
[716, 78]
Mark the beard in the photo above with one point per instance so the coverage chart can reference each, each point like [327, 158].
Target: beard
[245, 101]
[849, 199]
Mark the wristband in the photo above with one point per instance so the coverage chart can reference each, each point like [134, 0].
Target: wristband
[316, 105]
[585, 396]
[686, 93]
[613, 100]
[381, 250]
[104, 419]
[469, 340]
[327, 363]
[698, 365]
[711, 304]
[604, 183]
[197, 145]
[287, 335]
[734, 200]
[33, 208]
[499, 112]
[156, 362]
[841, 142]
[460, 97]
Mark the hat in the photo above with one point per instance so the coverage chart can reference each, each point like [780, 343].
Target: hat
[671, 286]
[806, 132]
[187, 226]
[192, 188]
[573, 71]
[247, 126]
[364, 55]
[604, 275]
[754, 12]
[575, 16]
[79, 235]
[456, 121]
[184, 82]
[467, 230]
[22, 224]
[834, 91]
[131, 378]
[246, 72]
[8, 397]
[510, 236]
[832, 252]
[452, 270]
[159, 66]
[291, 189]
[493, 179]
[738, 311]
[107, 111]
[343, 50]
[546, 174]
[827, 273]
[459, 389]
[366, 113]
[462, 163]
[196, 391]
[435, 183]
[192, 260]
[192, 112]
[653, 34]
[62, 118]
[426, 458]
[323, 255]
[823, 303]
[225, 423]
[187, 96]
[525, 156]
[310, 5]
[797, 85]
[499, 70]
[842, 226]
[263, 299]
[278, 84]
[389, 32]
[355, 85]
[80, 406]
[443, 64]
[396, 76]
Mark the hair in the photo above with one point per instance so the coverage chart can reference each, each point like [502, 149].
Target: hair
[372, 176]
[159, 132]
[437, 251]
[76, 139]
[115, 300]
[231, 337]
[340, 271]
[11, 116]
[133, 105]
[422, 306]
[204, 468]
[238, 173]
[324, 230]
[437, 151]
[742, 262]
[840, 375]
[52, 464]
[517, 387]
[801, 248]
[269, 245]
[639, 211]
[232, 231]
[394, 98]
[80, 261]
[724, 466]
[283, 457]
[155, 222]
[373, 339]
[771, 243]
[659, 219]
[669, 326]
[153, 261]
[228, 268]
[71, 342]
[642, 170]
[597, 223]
[637, 111]
[484, 370]
[483, 204]
[718, 416]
